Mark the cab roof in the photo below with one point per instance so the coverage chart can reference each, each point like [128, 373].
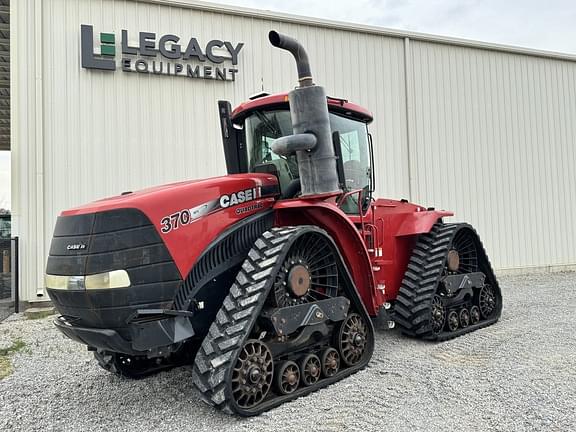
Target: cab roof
[280, 100]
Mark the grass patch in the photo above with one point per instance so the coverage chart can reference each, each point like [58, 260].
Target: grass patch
[5, 367]
[5, 363]
[16, 346]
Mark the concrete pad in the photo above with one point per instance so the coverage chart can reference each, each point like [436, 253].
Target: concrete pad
[39, 312]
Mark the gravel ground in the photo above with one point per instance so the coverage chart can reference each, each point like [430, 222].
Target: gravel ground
[518, 375]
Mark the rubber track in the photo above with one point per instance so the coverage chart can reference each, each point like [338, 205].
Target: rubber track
[413, 304]
[236, 317]
[235, 320]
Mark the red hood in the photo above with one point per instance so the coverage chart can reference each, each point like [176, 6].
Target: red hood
[211, 205]
[169, 192]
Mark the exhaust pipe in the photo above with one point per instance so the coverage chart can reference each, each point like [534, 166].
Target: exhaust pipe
[312, 139]
[297, 50]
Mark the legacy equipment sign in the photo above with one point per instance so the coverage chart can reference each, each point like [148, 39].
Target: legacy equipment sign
[165, 55]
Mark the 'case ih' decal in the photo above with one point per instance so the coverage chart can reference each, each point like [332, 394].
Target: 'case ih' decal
[240, 197]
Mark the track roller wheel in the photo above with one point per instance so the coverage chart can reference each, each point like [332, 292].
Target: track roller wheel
[474, 314]
[352, 339]
[330, 362]
[287, 377]
[311, 369]
[453, 321]
[464, 317]
[252, 375]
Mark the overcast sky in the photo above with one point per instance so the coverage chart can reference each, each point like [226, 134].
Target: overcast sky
[548, 25]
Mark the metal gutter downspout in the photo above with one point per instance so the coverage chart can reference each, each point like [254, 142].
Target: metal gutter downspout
[408, 94]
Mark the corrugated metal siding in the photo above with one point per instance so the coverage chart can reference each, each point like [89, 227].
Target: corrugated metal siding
[495, 142]
[490, 133]
[108, 132]
[25, 132]
[117, 131]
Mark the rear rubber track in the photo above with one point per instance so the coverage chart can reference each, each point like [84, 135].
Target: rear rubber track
[413, 305]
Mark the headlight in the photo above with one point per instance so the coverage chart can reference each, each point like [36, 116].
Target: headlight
[113, 279]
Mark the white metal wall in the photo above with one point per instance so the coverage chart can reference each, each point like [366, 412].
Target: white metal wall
[485, 133]
[495, 140]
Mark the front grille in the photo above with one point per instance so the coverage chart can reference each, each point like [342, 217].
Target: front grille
[122, 239]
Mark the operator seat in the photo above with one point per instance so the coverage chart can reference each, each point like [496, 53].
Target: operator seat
[354, 174]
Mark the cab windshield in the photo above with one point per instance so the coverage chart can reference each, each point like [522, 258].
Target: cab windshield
[263, 127]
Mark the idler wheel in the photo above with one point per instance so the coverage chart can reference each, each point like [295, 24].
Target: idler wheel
[252, 375]
[352, 339]
[330, 362]
[299, 280]
[453, 321]
[438, 314]
[311, 369]
[287, 377]
[474, 314]
[487, 301]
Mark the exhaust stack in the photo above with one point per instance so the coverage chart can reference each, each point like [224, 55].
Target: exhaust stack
[312, 139]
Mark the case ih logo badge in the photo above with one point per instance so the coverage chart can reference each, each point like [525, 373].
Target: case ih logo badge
[77, 246]
[239, 197]
[166, 55]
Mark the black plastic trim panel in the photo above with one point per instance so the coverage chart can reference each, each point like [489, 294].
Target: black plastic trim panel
[227, 251]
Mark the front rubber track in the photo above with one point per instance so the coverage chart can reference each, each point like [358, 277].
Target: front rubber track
[234, 322]
[412, 310]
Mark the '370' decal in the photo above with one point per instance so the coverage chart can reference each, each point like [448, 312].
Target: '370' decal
[185, 216]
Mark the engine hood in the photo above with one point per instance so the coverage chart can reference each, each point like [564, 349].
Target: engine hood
[191, 191]
[189, 215]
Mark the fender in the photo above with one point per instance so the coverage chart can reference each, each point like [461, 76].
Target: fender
[328, 216]
[420, 222]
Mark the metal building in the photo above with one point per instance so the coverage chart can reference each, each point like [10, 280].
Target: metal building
[485, 130]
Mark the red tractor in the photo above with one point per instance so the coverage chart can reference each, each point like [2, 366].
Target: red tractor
[267, 278]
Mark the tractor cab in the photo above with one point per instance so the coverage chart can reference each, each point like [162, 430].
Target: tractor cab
[249, 131]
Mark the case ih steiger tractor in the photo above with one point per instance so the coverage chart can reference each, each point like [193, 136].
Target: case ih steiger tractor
[267, 278]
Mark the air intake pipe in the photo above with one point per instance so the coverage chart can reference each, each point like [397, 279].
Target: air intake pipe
[312, 139]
